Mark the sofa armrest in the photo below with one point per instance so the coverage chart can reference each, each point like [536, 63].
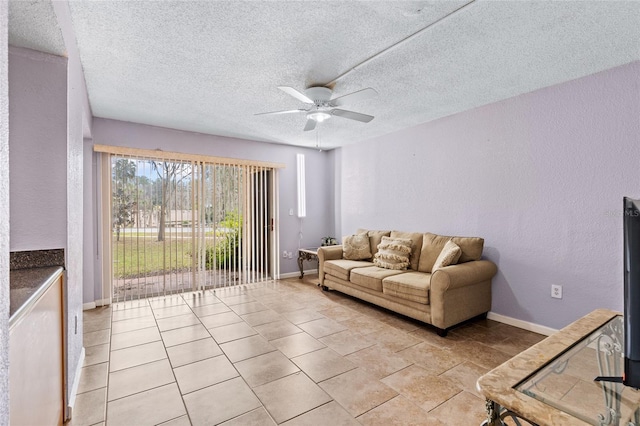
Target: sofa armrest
[460, 292]
[327, 253]
[463, 274]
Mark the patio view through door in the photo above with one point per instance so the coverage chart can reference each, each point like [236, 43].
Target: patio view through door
[183, 222]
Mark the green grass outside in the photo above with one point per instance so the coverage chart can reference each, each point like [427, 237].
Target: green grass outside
[138, 256]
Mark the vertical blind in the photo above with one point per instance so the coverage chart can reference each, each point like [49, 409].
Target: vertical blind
[182, 222]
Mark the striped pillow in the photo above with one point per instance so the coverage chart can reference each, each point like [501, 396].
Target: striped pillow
[393, 253]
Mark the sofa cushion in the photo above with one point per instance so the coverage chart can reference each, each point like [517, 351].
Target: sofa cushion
[416, 246]
[371, 276]
[340, 268]
[412, 286]
[433, 244]
[375, 238]
[393, 253]
[448, 256]
[356, 247]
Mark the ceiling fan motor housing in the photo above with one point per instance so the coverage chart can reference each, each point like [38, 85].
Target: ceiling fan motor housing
[320, 95]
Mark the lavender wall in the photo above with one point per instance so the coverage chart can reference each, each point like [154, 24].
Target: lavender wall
[540, 176]
[319, 169]
[4, 216]
[38, 150]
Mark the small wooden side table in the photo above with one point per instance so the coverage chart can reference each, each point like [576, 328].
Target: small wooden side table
[306, 254]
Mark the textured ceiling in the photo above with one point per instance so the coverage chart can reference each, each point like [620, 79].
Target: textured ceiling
[209, 66]
[33, 25]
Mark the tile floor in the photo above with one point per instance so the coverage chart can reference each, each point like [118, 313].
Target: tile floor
[282, 352]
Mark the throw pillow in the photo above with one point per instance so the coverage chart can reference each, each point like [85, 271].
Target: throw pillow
[375, 238]
[416, 239]
[448, 256]
[433, 244]
[356, 247]
[393, 253]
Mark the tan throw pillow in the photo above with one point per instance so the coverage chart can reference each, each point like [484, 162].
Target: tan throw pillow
[416, 246]
[356, 247]
[433, 244]
[448, 256]
[375, 238]
[393, 253]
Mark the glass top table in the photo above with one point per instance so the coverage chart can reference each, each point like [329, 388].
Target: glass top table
[567, 383]
[552, 383]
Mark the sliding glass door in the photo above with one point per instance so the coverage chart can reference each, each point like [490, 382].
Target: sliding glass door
[182, 224]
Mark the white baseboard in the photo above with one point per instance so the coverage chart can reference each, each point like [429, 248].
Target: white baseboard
[103, 302]
[76, 383]
[525, 325]
[297, 273]
[87, 306]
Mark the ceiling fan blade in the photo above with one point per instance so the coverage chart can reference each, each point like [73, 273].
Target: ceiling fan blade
[354, 97]
[352, 115]
[293, 92]
[311, 124]
[289, 111]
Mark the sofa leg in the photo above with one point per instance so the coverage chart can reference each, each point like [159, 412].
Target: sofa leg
[442, 332]
[325, 288]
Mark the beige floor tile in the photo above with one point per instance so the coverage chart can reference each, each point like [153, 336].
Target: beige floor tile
[96, 354]
[197, 350]
[199, 298]
[291, 396]
[482, 355]
[220, 319]
[89, 408]
[131, 313]
[95, 324]
[338, 313]
[171, 311]
[200, 374]
[465, 376]
[276, 330]
[283, 306]
[258, 417]
[347, 342]
[246, 348]
[397, 412]
[462, 409]
[248, 308]
[184, 335]
[322, 327]
[172, 323]
[210, 309]
[400, 322]
[323, 364]
[93, 377]
[166, 301]
[262, 317]
[363, 325]
[394, 340]
[230, 332]
[297, 344]
[433, 359]
[302, 315]
[132, 324]
[140, 378]
[380, 362]
[180, 421]
[418, 386]
[213, 405]
[358, 391]
[265, 368]
[95, 338]
[147, 408]
[328, 414]
[134, 338]
[235, 299]
[136, 355]
[129, 304]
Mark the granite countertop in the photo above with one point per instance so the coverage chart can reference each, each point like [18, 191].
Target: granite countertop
[27, 283]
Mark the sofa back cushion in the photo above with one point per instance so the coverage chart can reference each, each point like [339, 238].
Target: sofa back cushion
[393, 253]
[416, 246]
[375, 238]
[433, 244]
[356, 247]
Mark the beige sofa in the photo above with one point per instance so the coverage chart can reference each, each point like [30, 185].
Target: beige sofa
[443, 298]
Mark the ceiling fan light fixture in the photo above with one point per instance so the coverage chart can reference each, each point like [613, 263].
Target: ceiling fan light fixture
[319, 116]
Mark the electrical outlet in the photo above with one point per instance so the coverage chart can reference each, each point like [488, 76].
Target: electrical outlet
[284, 254]
[290, 212]
[556, 291]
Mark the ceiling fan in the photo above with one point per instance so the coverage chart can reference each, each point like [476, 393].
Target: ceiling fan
[322, 107]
